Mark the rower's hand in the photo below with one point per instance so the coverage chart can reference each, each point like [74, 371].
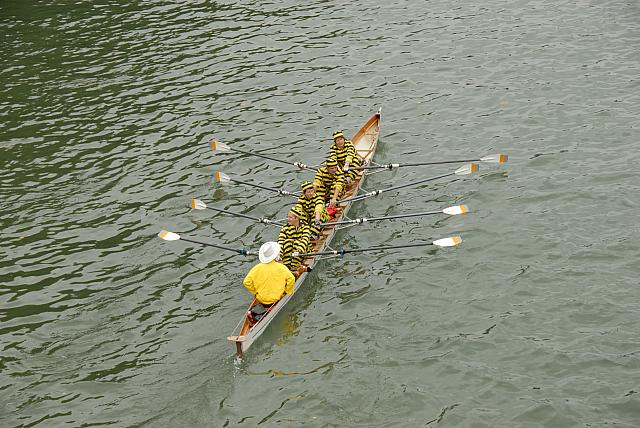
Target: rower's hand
[345, 168]
[295, 254]
[332, 204]
[317, 223]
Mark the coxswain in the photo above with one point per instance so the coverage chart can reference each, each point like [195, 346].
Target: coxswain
[295, 236]
[269, 280]
[345, 153]
[313, 206]
[329, 182]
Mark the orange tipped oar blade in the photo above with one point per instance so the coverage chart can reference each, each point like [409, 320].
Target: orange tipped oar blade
[168, 236]
[221, 177]
[497, 158]
[448, 242]
[218, 146]
[197, 204]
[467, 169]
[455, 210]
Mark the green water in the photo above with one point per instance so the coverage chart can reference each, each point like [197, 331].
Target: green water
[107, 109]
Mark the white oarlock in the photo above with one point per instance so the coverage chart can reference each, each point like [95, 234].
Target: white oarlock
[168, 236]
[451, 241]
[456, 209]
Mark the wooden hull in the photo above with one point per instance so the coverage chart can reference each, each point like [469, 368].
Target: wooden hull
[365, 141]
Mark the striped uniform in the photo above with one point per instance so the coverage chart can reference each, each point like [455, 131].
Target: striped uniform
[294, 239]
[346, 153]
[326, 183]
[311, 207]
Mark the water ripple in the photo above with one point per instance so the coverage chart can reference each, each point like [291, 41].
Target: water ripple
[107, 111]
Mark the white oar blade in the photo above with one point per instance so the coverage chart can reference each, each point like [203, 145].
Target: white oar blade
[455, 210]
[197, 204]
[217, 145]
[222, 177]
[168, 236]
[466, 169]
[497, 158]
[451, 241]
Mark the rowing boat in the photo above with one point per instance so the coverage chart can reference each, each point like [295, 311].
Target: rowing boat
[365, 141]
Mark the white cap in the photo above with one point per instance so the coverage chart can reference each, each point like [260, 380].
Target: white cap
[269, 251]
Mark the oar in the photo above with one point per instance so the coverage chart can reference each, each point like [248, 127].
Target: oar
[497, 158]
[170, 236]
[221, 177]
[463, 170]
[197, 204]
[218, 146]
[454, 210]
[452, 241]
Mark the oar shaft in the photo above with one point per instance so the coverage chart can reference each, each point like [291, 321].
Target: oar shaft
[388, 189]
[439, 162]
[260, 155]
[259, 186]
[242, 252]
[362, 168]
[360, 197]
[398, 165]
[389, 217]
[234, 214]
[362, 250]
[258, 219]
[415, 183]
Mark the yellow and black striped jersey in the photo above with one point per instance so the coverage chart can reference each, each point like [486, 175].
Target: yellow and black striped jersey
[311, 207]
[292, 239]
[345, 154]
[326, 183]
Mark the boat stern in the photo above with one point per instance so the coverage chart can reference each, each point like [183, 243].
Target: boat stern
[239, 341]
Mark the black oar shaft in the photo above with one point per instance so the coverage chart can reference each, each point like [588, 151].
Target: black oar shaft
[259, 186]
[398, 165]
[242, 251]
[439, 163]
[258, 219]
[415, 183]
[343, 251]
[234, 214]
[361, 168]
[389, 217]
[358, 198]
[260, 155]
[388, 189]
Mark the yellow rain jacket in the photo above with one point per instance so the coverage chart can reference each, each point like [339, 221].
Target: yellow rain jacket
[269, 282]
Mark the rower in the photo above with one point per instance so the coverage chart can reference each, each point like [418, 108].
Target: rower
[294, 237]
[269, 280]
[329, 182]
[313, 207]
[345, 153]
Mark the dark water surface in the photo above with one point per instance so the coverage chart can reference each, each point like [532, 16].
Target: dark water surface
[107, 108]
